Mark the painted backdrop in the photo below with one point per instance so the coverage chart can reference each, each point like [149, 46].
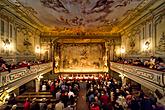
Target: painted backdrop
[82, 57]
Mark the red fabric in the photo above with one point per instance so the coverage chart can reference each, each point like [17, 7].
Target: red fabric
[128, 99]
[26, 105]
[95, 108]
[104, 99]
[52, 88]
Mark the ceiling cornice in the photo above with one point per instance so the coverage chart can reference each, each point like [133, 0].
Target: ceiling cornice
[22, 14]
[80, 34]
[142, 11]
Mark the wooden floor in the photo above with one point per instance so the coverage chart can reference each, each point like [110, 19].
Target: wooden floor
[81, 103]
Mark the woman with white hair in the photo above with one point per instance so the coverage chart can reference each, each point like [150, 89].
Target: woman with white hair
[14, 107]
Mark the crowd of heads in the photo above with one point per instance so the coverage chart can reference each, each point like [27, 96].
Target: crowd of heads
[8, 66]
[105, 93]
[110, 94]
[64, 94]
[152, 62]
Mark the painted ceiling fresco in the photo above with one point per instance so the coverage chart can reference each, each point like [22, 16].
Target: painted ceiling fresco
[88, 14]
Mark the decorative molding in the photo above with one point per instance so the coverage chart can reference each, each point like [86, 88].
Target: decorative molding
[18, 74]
[161, 46]
[158, 19]
[21, 14]
[141, 15]
[151, 79]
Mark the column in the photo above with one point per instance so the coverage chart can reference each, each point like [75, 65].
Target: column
[112, 51]
[50, 56]
[107, 55]
[124, 80]
[16, 91]
[37, 82]
[55, 57]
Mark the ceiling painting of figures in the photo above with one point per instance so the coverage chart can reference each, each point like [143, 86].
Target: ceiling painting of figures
[84, 14]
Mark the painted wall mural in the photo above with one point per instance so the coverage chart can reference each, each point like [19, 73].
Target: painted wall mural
[75, 57]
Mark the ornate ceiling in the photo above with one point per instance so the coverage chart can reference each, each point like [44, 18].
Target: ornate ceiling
[84, 15]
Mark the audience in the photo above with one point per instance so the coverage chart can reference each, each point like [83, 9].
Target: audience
[115, 97]
[59, 105]
[153, 62]
[14, 107]
[102, 94]
[4, 66]
[43, 104]
[58, 94]
[94, 106]
[34, 105]
[44, 87]
[12, 99]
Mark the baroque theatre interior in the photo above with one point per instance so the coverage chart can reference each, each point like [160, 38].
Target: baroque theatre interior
[82, 41]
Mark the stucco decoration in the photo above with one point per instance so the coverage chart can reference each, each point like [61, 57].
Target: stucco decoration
[26, 43]
[75, 57]
[133, 42]
[161, 46]
[160, 30]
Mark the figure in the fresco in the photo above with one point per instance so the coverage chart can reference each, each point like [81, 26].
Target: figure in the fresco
[65, 62]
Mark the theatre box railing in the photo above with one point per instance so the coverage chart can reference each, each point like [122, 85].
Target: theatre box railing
[149, 78]
[18, 77]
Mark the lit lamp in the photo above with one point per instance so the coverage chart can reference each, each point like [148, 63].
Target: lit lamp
[122, 51]
[37, 50]
[6, 45]
[146, 45]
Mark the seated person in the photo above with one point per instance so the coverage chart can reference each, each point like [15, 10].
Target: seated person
[160, 66]
[2, 60]
[24, 63]
[3, 67]
[13, 66]
[152, 62]
[137, 62]
[94, 106]
[125, 61]
[158, 60]
[130, 61]
[119, 59]
[146, 63]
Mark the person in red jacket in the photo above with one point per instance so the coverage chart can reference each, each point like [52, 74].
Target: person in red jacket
[104, 100]
[52, 89]
[26, 104]
[94, 106]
